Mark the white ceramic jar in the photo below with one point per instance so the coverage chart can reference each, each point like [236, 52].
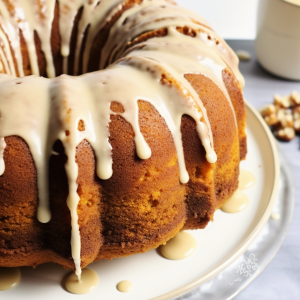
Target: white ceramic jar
[278, 37]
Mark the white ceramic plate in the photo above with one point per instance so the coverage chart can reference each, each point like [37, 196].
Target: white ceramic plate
[218, 245]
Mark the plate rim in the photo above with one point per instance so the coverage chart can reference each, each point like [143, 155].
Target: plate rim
[290, 175]
[260, 225]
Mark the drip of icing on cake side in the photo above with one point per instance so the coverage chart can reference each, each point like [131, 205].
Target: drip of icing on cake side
[60, 103]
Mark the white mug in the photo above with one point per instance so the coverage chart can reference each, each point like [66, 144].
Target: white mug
[278, 37]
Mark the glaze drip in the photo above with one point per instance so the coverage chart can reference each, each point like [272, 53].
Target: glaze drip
[2, 147]
[124, 286]
[9, 278]
[179, 247]
[59, 104]
[87, 283]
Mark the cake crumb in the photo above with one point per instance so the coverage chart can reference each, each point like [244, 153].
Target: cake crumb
[243, 55]
[275, 216]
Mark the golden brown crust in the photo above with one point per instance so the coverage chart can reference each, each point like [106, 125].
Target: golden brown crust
[103, 34]
[237, 100]
[20, 231]
[219, 179]
[140, 207]
[143, 204]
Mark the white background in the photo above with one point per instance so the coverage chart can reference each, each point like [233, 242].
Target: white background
[231, 19]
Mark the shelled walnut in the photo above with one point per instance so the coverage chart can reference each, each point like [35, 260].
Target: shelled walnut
[282, 101]
[283, 115]
[271, 119]
[285, 118]
[285, 133]
[297, 126]
[295, 98]
[267, 110]
[243, 55]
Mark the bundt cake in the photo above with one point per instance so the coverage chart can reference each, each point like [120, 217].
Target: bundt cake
[143, 137]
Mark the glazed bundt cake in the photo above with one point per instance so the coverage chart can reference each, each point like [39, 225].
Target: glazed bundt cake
[147, 142]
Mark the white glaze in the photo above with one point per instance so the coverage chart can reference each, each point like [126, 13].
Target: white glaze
[246, 180]
[89, 280]
[9, 278]
[2, 147]
[124, 286]
[59, 104]
[236, 203]
[179, 247]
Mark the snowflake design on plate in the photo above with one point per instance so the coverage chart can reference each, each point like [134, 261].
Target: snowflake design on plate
[246, 268]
